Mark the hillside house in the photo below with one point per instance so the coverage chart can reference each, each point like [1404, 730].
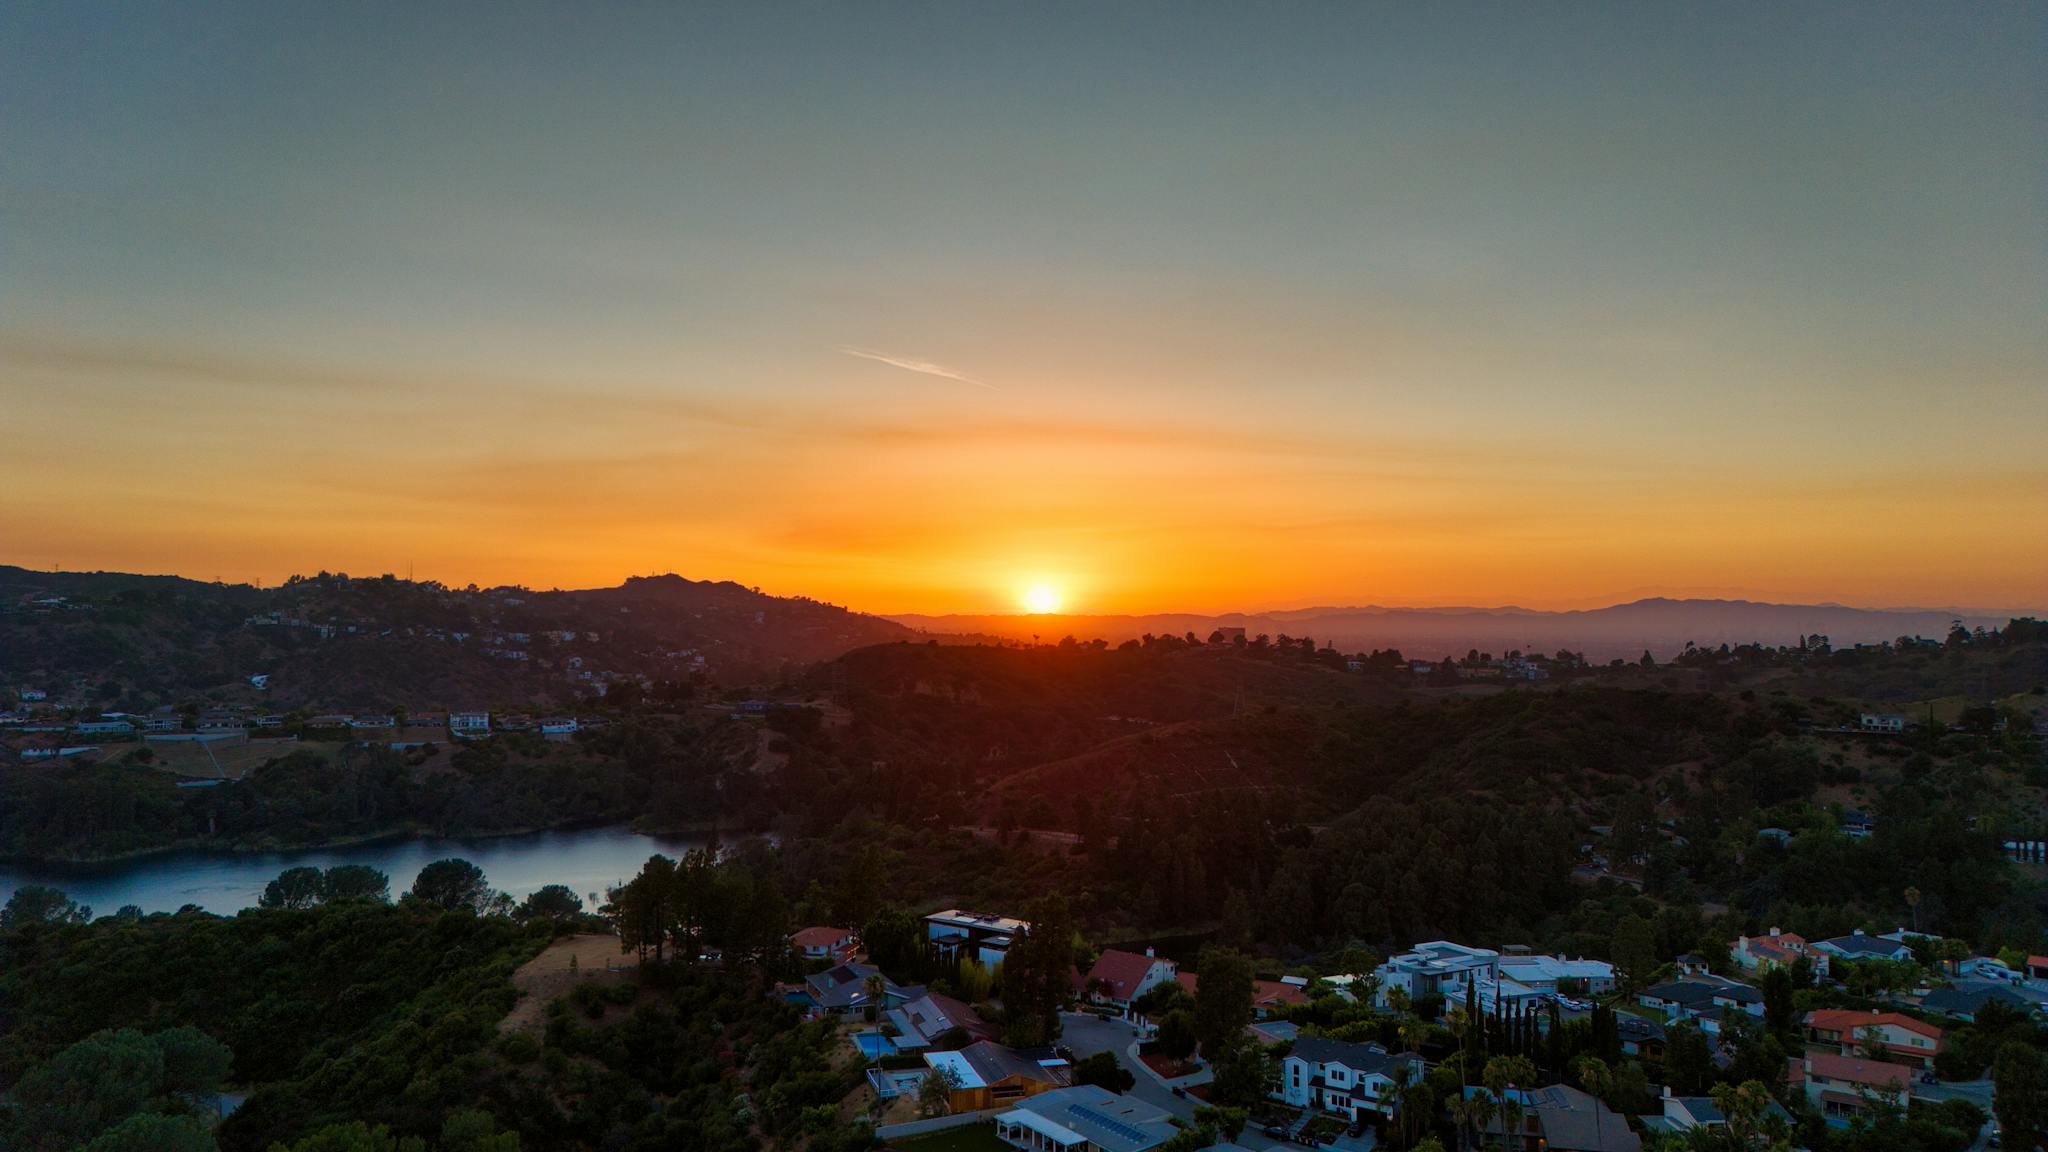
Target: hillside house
[1685, 1113]
[468, 724]
[1560, 1118]
[1847, 1031]
[842, 990]
[1966, 998]
[1776, 950]
[988, 1074]
[1859, 945]
[1841, 1086]
[1340, 1077]
[1118, 978]
[1881, 723]
[1427, 969]
[927, 1021]
[986, 938]
[822, 943]
[1702, 997]
[1084, 1118]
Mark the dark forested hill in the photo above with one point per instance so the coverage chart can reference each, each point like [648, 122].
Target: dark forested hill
[330, 641]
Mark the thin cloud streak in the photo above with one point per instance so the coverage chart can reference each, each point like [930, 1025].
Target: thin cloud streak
[925, 367]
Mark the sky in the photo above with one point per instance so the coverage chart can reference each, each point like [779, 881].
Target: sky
[917, 307]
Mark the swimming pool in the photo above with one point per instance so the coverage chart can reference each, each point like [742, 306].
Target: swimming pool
[874, 1045]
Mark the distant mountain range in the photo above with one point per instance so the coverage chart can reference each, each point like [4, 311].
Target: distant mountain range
[1661, 626]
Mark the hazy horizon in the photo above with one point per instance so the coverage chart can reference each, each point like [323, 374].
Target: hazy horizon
[1340, 604]
[955, 309]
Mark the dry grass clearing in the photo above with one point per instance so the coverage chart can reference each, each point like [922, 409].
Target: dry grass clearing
[550, 975]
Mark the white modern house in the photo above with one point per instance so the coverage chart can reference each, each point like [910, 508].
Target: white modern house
[1428, 969]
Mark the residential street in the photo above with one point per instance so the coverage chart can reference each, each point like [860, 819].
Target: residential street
[1087, 1034]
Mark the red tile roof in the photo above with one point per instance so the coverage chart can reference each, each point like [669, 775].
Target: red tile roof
[819, 937]
[1875, 1073]
[1265, 993]
[1119, 973]
[1848, 1022]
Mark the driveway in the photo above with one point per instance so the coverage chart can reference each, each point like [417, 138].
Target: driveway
[1087, 1034]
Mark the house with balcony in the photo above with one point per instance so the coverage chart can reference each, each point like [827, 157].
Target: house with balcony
[1430, 969]
[983, 937]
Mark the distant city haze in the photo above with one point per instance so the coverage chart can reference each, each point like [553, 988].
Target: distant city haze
[1129, 308]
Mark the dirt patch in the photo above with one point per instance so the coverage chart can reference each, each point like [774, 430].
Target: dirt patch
[550, 975]
[1168, 1068]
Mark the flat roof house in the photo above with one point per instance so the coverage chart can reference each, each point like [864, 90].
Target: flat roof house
[1428, 968]
[1084, 1118]
[987, 938]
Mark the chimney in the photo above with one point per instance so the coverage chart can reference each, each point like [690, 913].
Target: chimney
[1148, 953]
[1775, 933]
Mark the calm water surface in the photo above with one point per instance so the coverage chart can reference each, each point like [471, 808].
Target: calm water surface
[588, 861]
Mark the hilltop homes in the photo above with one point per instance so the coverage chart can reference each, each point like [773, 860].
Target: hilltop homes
[985, 1074]
[1850, 1032]
[1118, 978]
[1844, 1085]
[1340, 1077]
[1776, 950]
[985, 938]
[1084, 1118]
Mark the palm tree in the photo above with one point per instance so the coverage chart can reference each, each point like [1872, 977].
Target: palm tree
[1403, 1077]
[877, 991]
[1596, 1077]
[1503, 1074]
[1474, 1108]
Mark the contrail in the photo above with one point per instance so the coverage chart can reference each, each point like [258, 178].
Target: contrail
[909, 365]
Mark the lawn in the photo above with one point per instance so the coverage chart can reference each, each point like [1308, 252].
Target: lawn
[977, 1137]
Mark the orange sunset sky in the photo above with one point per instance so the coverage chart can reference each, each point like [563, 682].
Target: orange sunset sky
[913, 309]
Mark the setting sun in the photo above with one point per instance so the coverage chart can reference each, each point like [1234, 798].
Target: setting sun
[1040, 599]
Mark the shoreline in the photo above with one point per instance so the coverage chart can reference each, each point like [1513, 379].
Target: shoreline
[404, 832]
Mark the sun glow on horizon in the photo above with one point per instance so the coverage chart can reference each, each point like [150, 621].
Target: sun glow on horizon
[1041, 599]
